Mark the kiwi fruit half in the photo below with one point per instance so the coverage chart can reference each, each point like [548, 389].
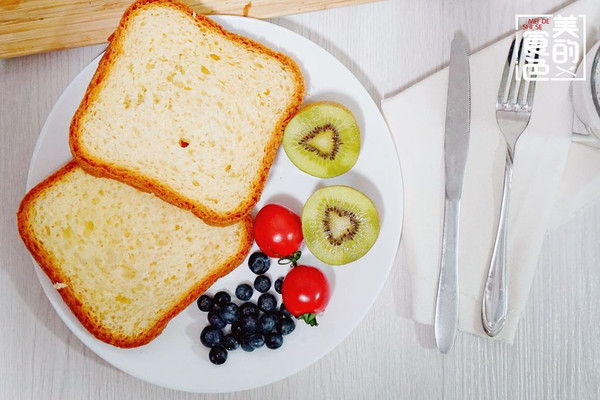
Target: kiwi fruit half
[323, 139]
[339, 224]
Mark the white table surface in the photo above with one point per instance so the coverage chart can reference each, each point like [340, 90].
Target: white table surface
[389, 46]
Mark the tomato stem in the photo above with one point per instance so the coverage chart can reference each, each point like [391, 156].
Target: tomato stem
[309, 318]
[291, 259]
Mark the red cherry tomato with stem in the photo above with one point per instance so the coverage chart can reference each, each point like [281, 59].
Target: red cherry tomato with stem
[277, 231]
[305, 292]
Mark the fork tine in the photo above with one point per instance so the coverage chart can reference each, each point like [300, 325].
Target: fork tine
[525, 82]
[528, 87]
[505, 74]
[515, 80]
[531, 90]
[530, 93]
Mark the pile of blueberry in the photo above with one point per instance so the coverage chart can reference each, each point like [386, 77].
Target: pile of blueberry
[247, 325]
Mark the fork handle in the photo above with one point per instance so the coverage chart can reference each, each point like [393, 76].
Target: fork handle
[494, 306]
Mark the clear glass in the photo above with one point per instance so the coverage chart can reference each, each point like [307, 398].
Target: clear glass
[595, 81]
[586, 100]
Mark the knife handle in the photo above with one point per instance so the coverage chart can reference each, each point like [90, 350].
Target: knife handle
[446, 309]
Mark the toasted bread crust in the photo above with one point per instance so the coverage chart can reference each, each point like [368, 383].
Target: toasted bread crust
[97, 167]
[52, 268]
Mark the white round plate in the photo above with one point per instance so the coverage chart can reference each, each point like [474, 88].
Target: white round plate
[176, 359]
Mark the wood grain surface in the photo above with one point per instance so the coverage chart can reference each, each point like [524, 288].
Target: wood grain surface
[34, 26]
[388, 45]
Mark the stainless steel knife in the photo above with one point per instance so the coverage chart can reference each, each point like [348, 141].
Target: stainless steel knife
[456, 145]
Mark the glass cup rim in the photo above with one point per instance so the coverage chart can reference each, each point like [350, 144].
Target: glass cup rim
[595, 71]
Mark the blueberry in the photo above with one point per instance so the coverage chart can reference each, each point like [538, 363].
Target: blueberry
[222, 298]
[205, 303]
[248, 323]
[273, 340]
[267, 302]
[237, 330]
[211, 336]
[230, 342]
[217, 355]
[246, 341]
[255, 340]
[229, 313]
[267, 321]
[215, 319]
[278, 285]
[262, 283]
[259, 263]
[243, 292]
[248, 309]
[246, 347]
[285, 325]
[284, 311]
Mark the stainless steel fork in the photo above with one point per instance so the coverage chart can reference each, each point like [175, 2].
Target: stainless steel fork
[513, 112]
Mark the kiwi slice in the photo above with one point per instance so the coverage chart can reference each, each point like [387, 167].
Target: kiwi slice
[339, 224]
[323, 139]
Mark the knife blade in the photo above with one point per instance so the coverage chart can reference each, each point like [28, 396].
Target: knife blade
[456, 145]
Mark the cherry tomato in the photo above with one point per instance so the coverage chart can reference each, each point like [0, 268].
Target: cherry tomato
[305, 292]
[277, 231]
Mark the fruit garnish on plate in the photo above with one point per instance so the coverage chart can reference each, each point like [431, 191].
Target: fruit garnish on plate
[339, 224]
[239, 321]
[277, 231]
[305, 292]
[323, 139]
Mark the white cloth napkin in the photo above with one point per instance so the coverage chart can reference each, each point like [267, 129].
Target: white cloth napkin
[416, 118]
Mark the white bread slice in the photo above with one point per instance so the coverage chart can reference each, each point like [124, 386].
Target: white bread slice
[124, 261]
[186, 110]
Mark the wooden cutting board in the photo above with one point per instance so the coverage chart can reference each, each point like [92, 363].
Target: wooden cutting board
[35, 26]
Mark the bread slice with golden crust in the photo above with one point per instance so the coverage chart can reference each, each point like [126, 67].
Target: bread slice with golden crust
[187, 110]
[124, 261]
